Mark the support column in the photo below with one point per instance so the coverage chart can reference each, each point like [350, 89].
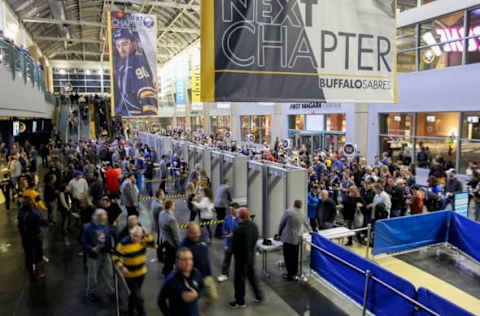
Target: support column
[206, 118]
[357, 127]
[279, 123]
[235, 123]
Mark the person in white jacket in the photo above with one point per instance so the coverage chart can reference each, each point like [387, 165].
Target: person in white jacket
[206, 208]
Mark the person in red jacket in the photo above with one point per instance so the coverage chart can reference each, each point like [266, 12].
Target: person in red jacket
[112, 180]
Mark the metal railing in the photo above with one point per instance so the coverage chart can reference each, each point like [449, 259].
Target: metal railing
[118, 279]
[19, 61]
[368, 276]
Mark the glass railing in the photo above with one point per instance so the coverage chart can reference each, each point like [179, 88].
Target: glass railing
[21, 65]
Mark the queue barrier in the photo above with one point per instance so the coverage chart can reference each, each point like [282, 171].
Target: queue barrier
[378, 290]
[463, 234]
[438, 303]
[409, 232]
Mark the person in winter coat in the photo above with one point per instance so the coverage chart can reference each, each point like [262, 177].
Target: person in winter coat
[312, 206]
[206, 209]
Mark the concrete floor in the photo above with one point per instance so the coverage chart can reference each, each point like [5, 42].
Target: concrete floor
[63, 291]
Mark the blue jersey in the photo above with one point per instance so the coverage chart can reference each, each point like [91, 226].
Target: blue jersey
[135, 92]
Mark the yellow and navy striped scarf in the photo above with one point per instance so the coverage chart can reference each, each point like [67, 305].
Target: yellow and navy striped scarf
[133, 256]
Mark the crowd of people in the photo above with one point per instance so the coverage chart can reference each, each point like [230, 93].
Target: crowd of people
[83, 191]
[89, 189]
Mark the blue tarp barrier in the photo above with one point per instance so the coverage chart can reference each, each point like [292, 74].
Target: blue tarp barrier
[464, 234]
[409, 232]
[381, 301]
[438, 304]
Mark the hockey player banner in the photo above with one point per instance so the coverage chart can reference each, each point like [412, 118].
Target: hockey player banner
[133, 63]
[298, 51]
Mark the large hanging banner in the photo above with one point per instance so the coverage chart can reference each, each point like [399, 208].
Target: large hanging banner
[133, 63]
[298, 51]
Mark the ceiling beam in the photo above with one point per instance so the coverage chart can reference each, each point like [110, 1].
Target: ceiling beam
[179, 30]
[176, 5]
[62, 22]
[173, 21]
[63, 39]
[77, 52]
[161, 4]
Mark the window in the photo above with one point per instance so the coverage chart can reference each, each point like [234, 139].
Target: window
[396, 124]
[336, 122]
[437, 124]
[296, 122]
[399, 148]
[220, 124]
[470, 151]
[444, 38]
[257, 125]
[403, 5]
[473, 55]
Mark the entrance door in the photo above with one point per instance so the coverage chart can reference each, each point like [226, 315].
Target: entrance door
[333, 142]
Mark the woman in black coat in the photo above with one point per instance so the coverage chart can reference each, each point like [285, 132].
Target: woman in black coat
[351, 203]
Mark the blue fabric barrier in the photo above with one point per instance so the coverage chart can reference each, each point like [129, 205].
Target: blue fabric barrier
[438, 304]
[409, 232]
[381, 301]
[464, 235]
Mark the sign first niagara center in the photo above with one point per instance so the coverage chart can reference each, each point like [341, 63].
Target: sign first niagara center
[298, 50]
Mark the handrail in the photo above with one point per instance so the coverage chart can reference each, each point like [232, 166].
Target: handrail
[368, 275]
[118, 275]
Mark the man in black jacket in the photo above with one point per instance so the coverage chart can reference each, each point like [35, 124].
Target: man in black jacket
[244, 241]
[327, 211]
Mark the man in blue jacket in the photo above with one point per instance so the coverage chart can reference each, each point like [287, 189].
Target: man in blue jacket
[312, 206]
[228, 227]
[182, 288]
[96, 242]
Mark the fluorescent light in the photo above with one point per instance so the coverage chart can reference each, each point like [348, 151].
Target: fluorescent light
[397, 118]
[62, 72]
[87, 72]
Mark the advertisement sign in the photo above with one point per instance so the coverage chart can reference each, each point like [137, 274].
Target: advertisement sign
[180, 91]
[133, 63]
[196, 84]
[287, 50]
[461, 204]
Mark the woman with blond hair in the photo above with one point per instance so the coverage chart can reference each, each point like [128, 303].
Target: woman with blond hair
[352, 206]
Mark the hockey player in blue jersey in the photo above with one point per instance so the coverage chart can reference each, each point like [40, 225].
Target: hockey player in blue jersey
[135, 92]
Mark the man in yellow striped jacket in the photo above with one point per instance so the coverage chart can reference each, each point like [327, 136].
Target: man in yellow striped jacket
[131, 259]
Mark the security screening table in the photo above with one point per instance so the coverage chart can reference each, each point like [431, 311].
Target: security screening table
[264, 250]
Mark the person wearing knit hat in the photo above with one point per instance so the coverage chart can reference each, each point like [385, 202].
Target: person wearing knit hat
[244, 241]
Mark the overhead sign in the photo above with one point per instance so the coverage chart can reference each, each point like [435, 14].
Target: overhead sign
[196, 84]
[285, 50]
[349, 149]
[133, 63]
[180, 91]
[461, 204]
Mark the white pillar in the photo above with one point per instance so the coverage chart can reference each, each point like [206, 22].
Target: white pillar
[235, 127]
[357, 127]
[279, 126]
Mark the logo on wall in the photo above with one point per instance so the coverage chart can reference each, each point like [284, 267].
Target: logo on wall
[349, 149]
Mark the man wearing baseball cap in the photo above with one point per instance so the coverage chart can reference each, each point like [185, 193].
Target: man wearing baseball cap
[244, 241]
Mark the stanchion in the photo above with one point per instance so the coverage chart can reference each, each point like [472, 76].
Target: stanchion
[365, 292]
[369, 237]
[301, 259]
